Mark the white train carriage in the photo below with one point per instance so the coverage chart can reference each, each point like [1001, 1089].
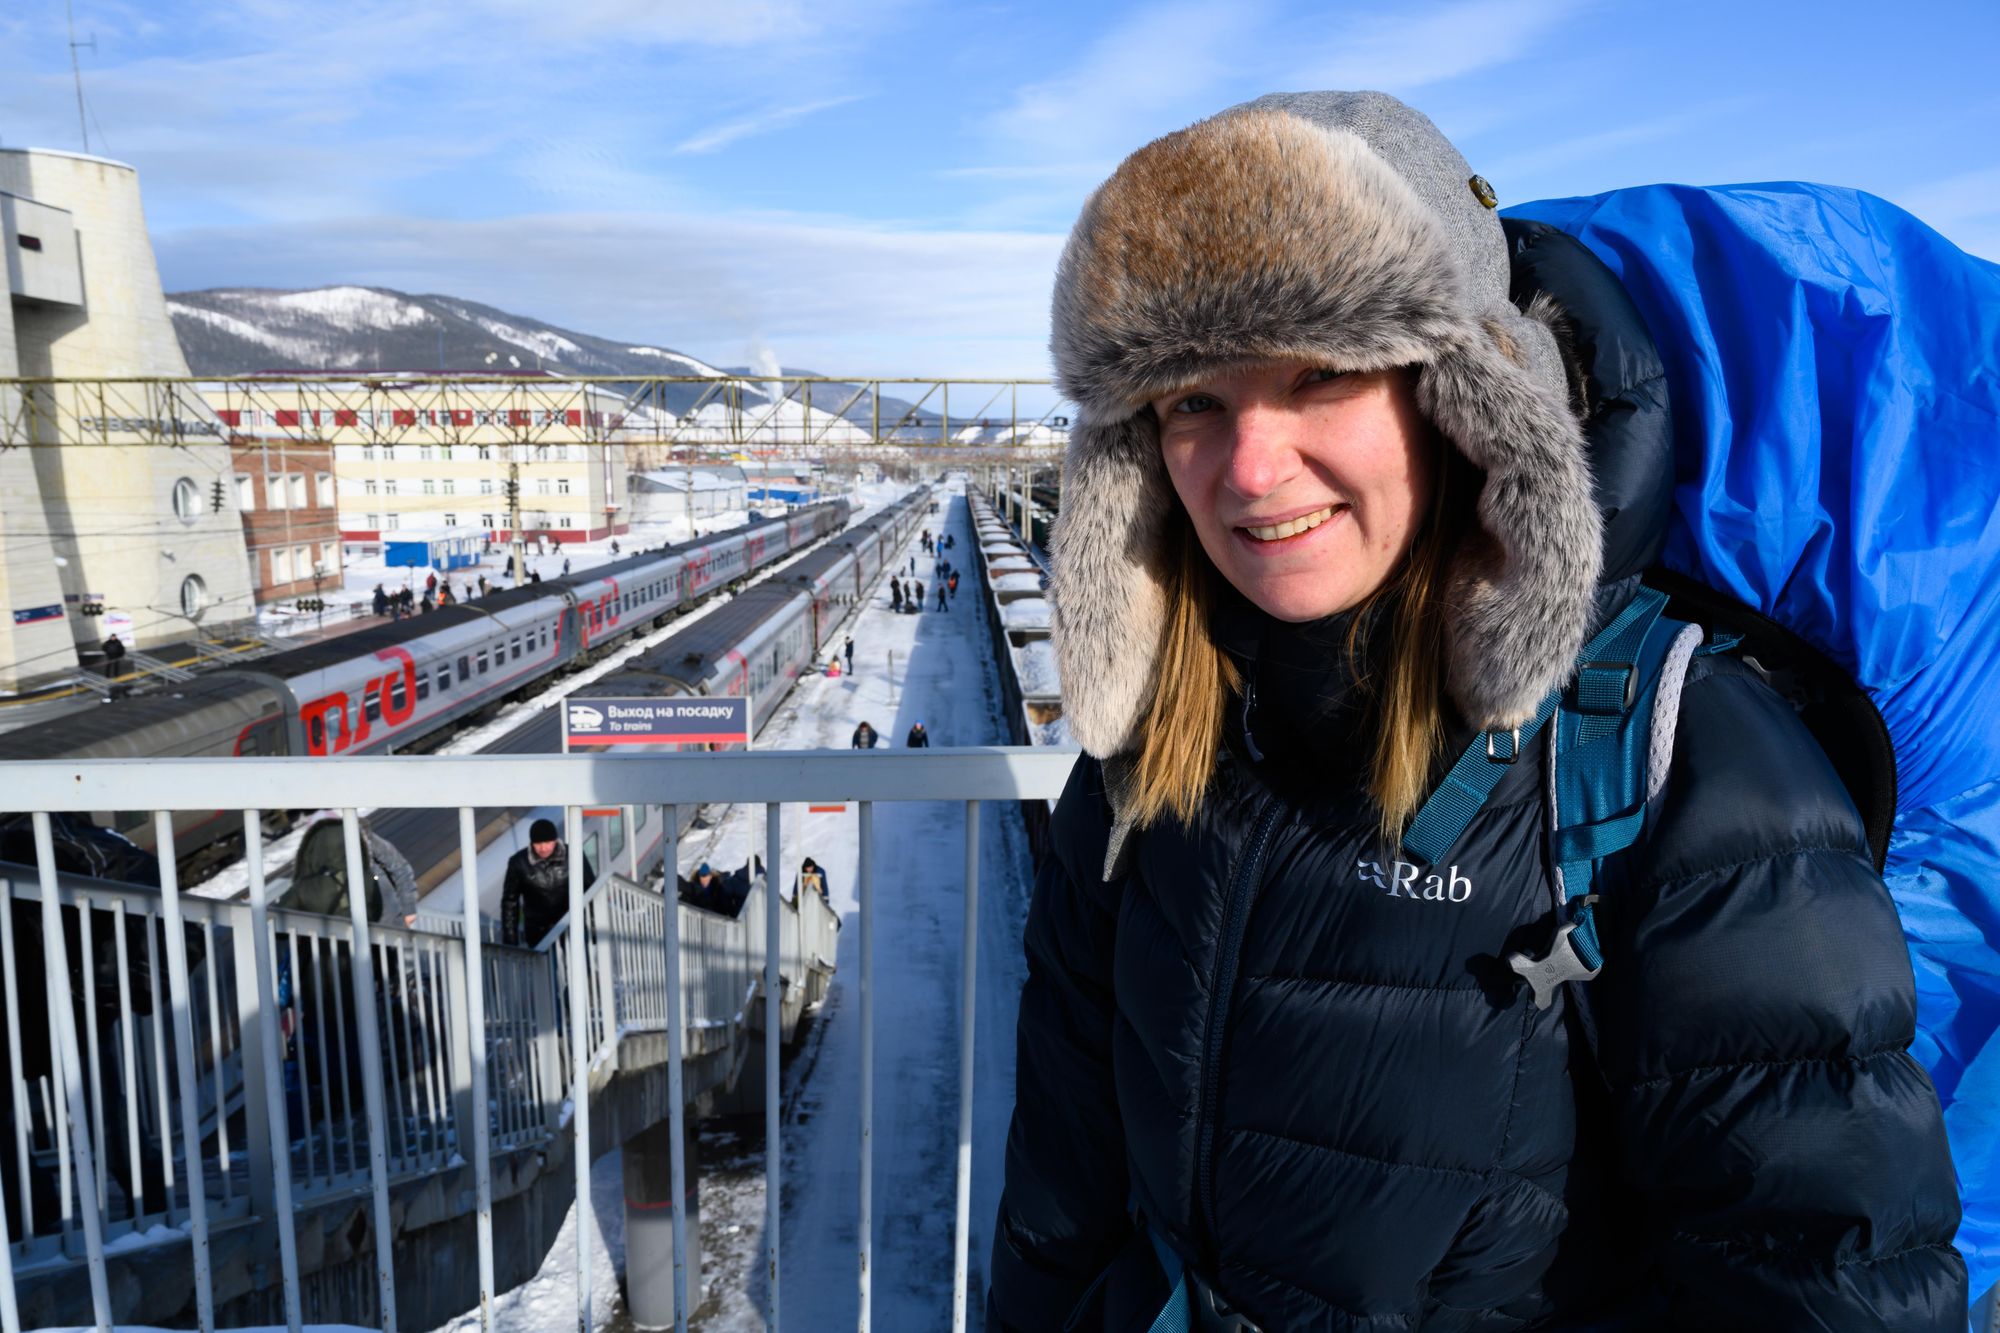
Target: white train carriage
[368, 705]
[615, 603]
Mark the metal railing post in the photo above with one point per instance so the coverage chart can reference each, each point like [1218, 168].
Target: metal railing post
[183, 1018]
[670, 839]
[474, 1048]
[607, 942]
[967, 1002]
[867, 887]
[276, 1174]
[360, 957]
[63, 1017]
[17, 988]
[579, 1048]
[773, 1035]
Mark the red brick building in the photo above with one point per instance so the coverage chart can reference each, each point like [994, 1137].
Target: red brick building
[291, 523]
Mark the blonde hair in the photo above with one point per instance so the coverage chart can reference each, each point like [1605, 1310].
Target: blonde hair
[1183, 726]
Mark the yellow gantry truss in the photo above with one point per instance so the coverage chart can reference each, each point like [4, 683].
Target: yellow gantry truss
[657, 419]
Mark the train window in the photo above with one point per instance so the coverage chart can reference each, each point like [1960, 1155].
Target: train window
[315, 733]
[639, 820]
[443, 679]
[372, 709]
[399, 698]
[590, 853]
[465, 668]
[516, 645]
[617, 833]
[423, 688]
[479, 662]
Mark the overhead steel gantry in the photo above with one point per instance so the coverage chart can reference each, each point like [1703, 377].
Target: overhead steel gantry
[659, 419]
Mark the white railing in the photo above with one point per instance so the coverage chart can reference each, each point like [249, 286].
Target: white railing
[355, 1052]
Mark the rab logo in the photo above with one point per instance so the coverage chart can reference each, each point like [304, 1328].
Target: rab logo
[1400, 880]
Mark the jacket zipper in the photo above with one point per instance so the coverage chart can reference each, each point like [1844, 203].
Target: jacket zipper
[1222, 984]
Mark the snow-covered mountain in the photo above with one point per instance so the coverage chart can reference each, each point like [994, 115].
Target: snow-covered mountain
[241, 330]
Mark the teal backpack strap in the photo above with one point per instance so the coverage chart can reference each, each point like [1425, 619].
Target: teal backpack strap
[1177, 1315]
[1602, 774]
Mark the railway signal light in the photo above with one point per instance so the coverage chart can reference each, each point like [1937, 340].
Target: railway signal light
[310, 604]
[215, 494]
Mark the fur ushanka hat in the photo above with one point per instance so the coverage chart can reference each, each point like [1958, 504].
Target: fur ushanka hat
[1341, 229]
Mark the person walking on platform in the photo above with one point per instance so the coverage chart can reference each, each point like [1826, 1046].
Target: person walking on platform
[864, 738]
[952, 583]
[918, 739]
[943, 604]
[913, 566]
[535, 894]
[917, 602]
[381, 600]
[847, 651]
[895, 595]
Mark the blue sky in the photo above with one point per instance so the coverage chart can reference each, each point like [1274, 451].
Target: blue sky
[883, 188]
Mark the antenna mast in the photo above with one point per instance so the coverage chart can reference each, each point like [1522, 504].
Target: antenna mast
[69, 9]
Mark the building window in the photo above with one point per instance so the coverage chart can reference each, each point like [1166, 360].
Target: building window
[430, 487]
[368, 487]
[450, 486]
[194, 596]
[486, 486]
[274, 491]
[302, 562]
[451, 520]
[388, 453]
[296, 483]
[323, 483]
[389, 486]
[424, 453]
[569, 520]
[246, 493]
[485, 453]
[541, 485]
[371, 521]
[486, 520]
[281, 566]
[391, 522]
[187, 500]
[28, 242]
[368, 451]
[562, 485]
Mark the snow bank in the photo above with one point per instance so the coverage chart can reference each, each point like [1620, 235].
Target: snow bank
[1028, 613]
[1035, 666]
[1023, 582]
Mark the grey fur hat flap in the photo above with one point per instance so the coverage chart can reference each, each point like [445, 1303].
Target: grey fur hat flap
[1341, 229]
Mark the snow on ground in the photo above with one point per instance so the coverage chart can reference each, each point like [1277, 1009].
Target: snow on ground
[935, 667]
[548, 1300]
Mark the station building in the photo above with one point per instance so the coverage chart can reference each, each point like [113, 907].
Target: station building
[438, 451]
[102, 530]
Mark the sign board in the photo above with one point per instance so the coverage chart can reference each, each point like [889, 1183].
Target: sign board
[656, 720]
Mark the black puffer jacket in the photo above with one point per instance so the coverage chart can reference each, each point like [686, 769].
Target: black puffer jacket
[1318, 1082]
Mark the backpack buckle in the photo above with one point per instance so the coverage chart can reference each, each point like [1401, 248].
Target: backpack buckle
[1513, 753]
[1606, 688]
[1561, 963]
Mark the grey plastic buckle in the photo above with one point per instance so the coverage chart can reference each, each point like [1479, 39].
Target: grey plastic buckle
[1552, 969]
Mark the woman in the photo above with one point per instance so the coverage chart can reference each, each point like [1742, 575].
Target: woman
[1328, 515]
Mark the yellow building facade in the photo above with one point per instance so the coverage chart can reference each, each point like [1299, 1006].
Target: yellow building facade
[438, 454]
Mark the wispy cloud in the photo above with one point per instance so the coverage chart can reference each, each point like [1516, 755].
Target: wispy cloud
[721, 136]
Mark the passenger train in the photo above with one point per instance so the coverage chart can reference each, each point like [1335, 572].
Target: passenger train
[756, 646]
[389, 687]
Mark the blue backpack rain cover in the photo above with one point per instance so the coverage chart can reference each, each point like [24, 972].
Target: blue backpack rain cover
[1834, 368]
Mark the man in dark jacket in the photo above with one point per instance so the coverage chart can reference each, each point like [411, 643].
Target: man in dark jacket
[864, 737]
[536, 893]
[847, 649]
[918, 739]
